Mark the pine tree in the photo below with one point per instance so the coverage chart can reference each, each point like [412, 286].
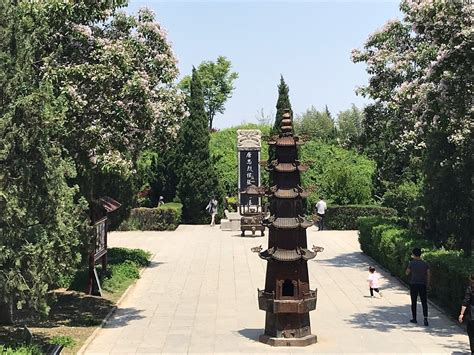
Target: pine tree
[197, 179]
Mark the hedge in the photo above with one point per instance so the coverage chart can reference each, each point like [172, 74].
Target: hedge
[345, 217]
[165, 217]
[391, 245]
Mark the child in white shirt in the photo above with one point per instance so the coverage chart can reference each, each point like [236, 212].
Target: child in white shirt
[374, 281]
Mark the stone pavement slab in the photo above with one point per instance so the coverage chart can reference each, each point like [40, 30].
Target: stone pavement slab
[199, 295]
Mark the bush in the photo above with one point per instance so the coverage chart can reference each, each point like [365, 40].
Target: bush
[64, 340]
[345, 217]
[449, 273]
[342, 176]
[391, 245]
[21, 350]
[119, 255]
[166, 217]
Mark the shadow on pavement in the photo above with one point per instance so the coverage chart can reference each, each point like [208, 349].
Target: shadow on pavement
[389, 318]
[122, 317]
[250, 333]
[354, 259]
[154, 264]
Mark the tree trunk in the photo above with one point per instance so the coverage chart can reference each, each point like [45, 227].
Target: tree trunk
[6, 313]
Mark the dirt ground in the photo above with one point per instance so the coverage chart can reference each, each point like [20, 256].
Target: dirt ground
[74, 314]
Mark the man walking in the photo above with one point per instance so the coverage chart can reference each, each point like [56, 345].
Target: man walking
[419, 272]
[320, 211]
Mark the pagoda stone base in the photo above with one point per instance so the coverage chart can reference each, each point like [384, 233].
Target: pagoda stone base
[287, 329]
[304, 341]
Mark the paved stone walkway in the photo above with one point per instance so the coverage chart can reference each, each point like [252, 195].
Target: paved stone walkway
[200, 296]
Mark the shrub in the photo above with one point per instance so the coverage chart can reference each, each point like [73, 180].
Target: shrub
[21, 350]
[342, 176]
[345, 217]
[449, 272]
[166, 217]
[391, 245]
[65, 340]
[119, 255]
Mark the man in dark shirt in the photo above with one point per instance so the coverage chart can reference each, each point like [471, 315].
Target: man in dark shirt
[419, 272]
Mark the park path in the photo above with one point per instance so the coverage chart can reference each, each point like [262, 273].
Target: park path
[199, 295]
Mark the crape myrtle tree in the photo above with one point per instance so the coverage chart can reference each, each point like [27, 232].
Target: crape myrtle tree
[421, 121]
[83, 91]
[118, 78]
[217, 80]
[197, 178]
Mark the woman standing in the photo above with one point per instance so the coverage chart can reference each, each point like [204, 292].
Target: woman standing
[466, 312]
[212, 209]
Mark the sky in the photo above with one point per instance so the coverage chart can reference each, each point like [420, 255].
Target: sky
[309, 43]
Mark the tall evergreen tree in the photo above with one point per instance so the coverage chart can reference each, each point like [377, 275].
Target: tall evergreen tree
[41, 225]
[197, 179]
[282, 104]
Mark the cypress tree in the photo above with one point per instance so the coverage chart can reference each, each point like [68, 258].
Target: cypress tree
[41, 223]
[282, 104]
[197, 179]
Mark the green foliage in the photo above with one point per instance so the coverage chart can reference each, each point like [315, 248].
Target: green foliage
[65, 340]
[21, 350]
[406, 198]
[119, 255]
[350, 126]
[151, 178]
[159, 219]
[346, 217]
[316, 125]
[450, 273]
[341, 176]
[283, 103]
[124, 267]
[217, 82]
[198, 180]
[391, 245]
[42, 223]
[420, 121]
[82, 94]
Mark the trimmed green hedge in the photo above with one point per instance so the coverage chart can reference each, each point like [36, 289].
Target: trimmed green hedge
[345, 217]
[391, 245]
[165, 217]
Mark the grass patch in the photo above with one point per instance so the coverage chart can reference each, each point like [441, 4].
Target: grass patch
[74, 315]
[173, 205]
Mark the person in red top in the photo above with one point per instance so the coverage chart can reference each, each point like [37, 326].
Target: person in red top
[466, 312]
